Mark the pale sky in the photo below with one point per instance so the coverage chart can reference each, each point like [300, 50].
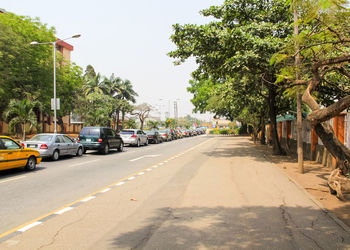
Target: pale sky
[128, 38]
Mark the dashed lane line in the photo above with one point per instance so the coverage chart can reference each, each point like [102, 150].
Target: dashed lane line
[70, 206]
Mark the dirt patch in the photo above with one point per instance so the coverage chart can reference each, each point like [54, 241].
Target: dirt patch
[314, 180]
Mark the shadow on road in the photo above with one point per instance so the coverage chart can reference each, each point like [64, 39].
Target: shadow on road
[236, 228]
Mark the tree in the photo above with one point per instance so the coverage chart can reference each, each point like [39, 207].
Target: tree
[24, 68]
[20, 112]
[153, 124]
[324, 68]
[239, 44]
[142, 112]
[131, 123]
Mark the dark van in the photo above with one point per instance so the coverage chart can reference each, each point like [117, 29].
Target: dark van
[101, 139]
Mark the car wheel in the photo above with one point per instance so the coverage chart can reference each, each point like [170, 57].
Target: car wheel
[84, 151]
[156, 141]
[80, 151]
[146, 143]
[31, 163]
[105, 149]
[55, 155]
[121, 147]
[138, 143]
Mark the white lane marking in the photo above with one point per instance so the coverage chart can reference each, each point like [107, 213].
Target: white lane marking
[141, 173]
[66, 209]
[13, 179]
[120, 183]
[83, 163]
[131, 178]
[88, 198]
[23, 229]
[105, 190]
[149, 169]
[160, 164]
[139, 158]
[165, 161]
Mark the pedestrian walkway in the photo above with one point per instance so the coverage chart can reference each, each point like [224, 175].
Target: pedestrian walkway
[223, 194]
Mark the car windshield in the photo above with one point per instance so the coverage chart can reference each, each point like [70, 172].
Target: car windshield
[90, 131]
[126, 132]
[150, 132]
[162, 131]
[41, 138]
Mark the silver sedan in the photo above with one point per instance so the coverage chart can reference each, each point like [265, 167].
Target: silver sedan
[54, 145]
[134, 137]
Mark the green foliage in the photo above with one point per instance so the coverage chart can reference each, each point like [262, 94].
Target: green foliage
[234, 78]
[24, 68]
[131, 123]
[153, 124]
[225, 131]
[21, 112]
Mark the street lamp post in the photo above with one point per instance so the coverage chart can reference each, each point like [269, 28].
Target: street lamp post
[54, 75]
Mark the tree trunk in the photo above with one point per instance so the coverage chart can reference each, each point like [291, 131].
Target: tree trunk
[24, 131]
[277, 149]
[118, 120]
[123, 117]
[331, 142]
[61, 124]
[141, 124]
[262, 126]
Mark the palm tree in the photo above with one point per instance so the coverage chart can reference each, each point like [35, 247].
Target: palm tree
[153, 124]
[93, 84]
[111, 86]
[21, 112]
[127, 92]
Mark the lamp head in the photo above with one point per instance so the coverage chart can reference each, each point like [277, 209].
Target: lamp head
[76, 36]
[33, 43]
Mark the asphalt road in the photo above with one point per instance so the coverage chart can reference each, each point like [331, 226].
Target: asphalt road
[27, 195]
[200, 193]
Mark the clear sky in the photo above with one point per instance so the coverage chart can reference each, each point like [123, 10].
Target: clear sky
[128, 38]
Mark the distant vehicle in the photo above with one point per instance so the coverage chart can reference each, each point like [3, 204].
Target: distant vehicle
[154, 136]
[166, 135]
[179, 134]
[54, 145]
[14, 155]
[173, 134]
[134, 137]
[100, 138]
[184, 133]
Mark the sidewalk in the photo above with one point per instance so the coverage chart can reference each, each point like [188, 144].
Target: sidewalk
[222, 194]
[314, 181]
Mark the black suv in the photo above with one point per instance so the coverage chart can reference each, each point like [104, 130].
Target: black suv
[101, 139]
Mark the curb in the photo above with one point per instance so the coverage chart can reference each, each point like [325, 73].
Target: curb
[345, 227]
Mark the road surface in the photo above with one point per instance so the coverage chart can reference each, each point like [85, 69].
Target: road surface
[201, 193]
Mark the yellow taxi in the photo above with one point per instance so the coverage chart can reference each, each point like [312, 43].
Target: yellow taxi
[13, 155]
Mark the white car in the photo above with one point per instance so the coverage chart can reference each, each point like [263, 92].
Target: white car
[134, 137]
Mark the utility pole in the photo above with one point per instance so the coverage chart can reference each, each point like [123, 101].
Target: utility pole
[299, 95]
[175, 111]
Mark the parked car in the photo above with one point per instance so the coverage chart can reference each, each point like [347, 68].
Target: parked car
[154, 136]
[184, 133]
[134, 137]
[54, 145]
[173, 134]
[100, 138]
[165, 133]
[14, 155]
[179, 134]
